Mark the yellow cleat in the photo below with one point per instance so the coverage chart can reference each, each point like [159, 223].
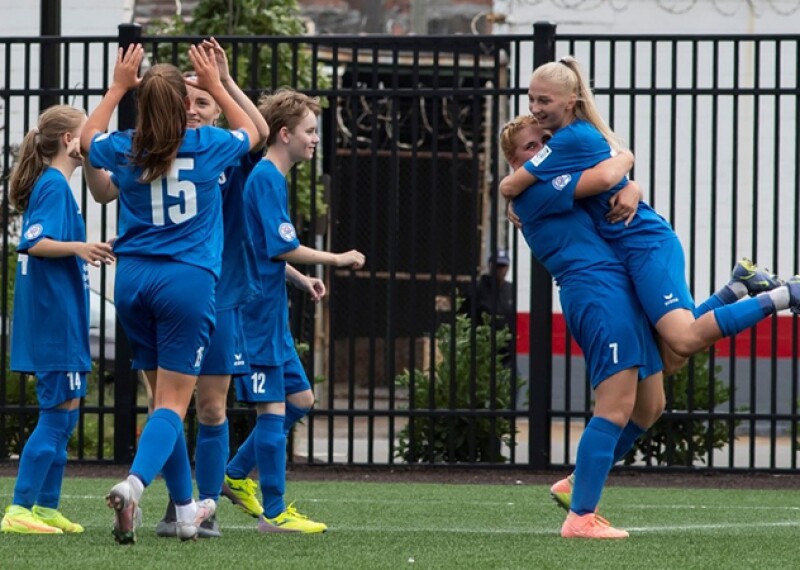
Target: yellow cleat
[52, 517]
[290, 521]
[22, 521]
[242, 493]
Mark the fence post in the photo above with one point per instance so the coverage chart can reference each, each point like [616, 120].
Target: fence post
[49, 54]
[126, 380]
[540, 364]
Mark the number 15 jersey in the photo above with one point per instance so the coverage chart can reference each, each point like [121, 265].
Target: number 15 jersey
[177, 216]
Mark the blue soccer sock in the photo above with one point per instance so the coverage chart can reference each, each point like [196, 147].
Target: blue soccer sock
[38, 455]
[594, 461]
[270, 446]
[210, 457]
[156, 444]
[630, 433]
[245, 459]
[741, 316]
[50, 493]
[293, 415]
[177, 472]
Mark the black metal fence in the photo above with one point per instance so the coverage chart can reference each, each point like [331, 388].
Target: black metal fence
[407, 172]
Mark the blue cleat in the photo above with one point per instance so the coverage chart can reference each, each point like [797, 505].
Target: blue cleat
[756, 280]
[793, 283]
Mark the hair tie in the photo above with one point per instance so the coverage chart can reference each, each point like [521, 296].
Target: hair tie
[35, 130]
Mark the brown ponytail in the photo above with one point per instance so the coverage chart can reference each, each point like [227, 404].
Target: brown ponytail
[40, 145]
[161, 121]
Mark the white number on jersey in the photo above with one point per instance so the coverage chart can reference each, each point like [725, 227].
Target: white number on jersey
[614, 346]
[23, 259]
[259, 379]
[185, 189]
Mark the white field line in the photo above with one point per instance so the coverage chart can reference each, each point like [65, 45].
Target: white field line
[536, 531]
[616, 507]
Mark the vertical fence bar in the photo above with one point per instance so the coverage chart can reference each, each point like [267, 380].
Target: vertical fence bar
[540, 367]
[126, 378]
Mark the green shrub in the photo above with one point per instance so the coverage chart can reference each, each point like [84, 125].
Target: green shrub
[448, 439]
[679, 441]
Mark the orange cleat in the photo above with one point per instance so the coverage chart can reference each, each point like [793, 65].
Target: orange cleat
[589, 526]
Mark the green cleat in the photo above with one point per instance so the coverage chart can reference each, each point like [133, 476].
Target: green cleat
[755, 279]
[52, 517]
[242, 493]
[22, 521]
[290, 521]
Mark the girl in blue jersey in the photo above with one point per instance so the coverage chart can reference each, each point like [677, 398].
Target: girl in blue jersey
[602, 314]
[237, 285]
[560, 98]
[169, 250]
[277, 384]
[52, 286]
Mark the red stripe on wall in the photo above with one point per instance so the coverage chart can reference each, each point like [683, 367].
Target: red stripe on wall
[765, 340]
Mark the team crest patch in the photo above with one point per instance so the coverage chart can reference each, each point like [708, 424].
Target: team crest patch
[541, 155]
[34, 231]
[287, 232]
[560, 182]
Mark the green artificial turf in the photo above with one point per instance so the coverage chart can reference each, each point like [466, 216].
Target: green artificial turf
[393, 525]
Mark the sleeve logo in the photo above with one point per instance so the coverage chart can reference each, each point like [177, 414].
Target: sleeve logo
[539, 157]
[560, 182]
[238, 134]
[287, 232]
[34, 231]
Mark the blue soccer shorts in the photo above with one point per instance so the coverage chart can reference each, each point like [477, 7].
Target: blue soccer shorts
[266, 384]
[167, 311]
[658, 273]
[227, 353]
[55, 388]
[607, 322]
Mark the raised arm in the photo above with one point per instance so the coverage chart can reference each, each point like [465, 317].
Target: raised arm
[126, 76]
[99, 182]
[207, 73]
[235, 91]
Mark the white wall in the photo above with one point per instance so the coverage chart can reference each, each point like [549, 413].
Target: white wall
[21, 18]
[777, 152]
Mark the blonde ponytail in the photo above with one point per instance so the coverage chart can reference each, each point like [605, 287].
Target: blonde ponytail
[567, 73]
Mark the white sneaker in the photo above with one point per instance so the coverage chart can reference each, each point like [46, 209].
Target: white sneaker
[205, 510]
[127, 514]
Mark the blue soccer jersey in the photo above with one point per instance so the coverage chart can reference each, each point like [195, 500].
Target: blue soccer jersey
[266, 321]
[597, 298]
[179, 215]
[238, 282]
[51, 294]
[561, 235]
[580, 146]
